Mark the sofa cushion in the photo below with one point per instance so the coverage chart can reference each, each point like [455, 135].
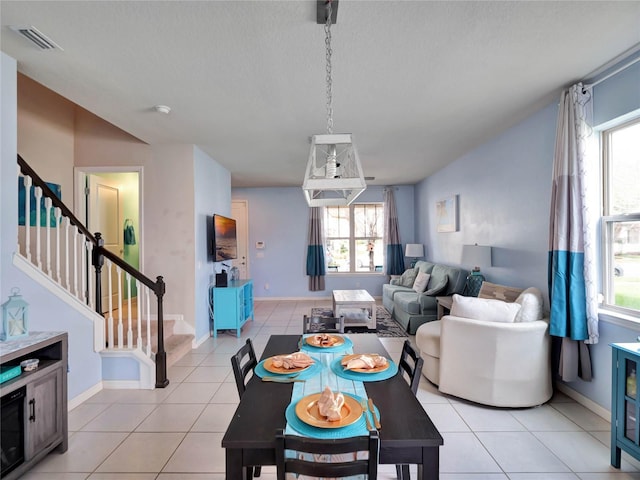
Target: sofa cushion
[407, 301]
[408, 277]
[530, 302]
[486, 309]
[421, 282]
[437, 288]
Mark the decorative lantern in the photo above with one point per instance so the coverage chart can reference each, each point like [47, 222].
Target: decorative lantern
[15, 316]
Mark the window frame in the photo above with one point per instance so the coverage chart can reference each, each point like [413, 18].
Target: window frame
[352, 240]
[608, 222]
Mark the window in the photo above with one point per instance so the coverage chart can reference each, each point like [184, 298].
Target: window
[621, 217]
[354, 238]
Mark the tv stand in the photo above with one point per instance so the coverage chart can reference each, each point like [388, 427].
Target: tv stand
[232, 306]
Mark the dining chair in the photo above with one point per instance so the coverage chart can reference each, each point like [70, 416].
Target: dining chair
[410, 365]
[240, 371]
[309, 452]
[319, 324]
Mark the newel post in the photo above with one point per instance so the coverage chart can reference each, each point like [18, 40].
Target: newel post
[97, 261]
[161, 356]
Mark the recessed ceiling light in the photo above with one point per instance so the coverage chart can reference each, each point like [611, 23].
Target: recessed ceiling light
[162, 109]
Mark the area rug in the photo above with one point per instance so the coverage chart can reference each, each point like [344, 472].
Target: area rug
[385, 325]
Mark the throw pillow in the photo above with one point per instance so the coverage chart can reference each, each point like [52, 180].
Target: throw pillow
[408, 277]
[487, 309]
[437, 288]
[531, 305]
[421, 282]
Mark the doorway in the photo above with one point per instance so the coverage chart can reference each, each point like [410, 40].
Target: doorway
[109, 202]
[240, 212]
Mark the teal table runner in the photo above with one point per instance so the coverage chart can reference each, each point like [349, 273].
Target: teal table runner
[316, 384]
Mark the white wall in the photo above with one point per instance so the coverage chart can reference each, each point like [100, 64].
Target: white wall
[279, 217]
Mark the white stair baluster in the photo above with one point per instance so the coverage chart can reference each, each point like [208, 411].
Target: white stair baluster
[83, 268]
[38, 195]
[67, 253]
[139, 318]
[91, 297]
[108, 266]
[75, 262]
[130, 330]
[47, 205]
[27, 216]
[148, 308]
[120, 329]
[58, 214]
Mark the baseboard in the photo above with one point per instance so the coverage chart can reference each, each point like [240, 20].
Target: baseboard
[123, 384]
[299, 299]
[584, 401]
[84, 396]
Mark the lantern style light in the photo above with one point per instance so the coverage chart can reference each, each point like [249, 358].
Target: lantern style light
[15, 316]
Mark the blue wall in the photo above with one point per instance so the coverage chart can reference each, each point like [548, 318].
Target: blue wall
[504, 197]
[212, 194]
[279, 217]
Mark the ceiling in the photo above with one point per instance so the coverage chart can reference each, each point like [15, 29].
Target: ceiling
[417, 83]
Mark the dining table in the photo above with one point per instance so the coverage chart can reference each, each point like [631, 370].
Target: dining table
[407, 434]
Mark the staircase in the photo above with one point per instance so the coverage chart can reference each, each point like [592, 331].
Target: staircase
[63, 254]
[176, 345]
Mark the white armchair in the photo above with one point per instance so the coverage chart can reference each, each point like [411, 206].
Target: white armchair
[492, 361]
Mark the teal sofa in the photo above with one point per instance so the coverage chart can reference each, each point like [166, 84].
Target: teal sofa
[410, 308]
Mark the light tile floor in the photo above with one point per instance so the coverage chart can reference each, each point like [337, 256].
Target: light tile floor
[175, 433]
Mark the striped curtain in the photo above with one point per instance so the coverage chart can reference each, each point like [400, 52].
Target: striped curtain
[572, 256]
[315, 250]
[394, 258]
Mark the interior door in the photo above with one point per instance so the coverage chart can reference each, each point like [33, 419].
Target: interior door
[239, 211]
[105, 215]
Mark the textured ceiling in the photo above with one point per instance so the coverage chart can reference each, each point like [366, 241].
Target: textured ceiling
[418, 83]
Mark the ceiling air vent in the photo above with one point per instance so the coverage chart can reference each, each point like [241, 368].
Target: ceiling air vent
[36, 37]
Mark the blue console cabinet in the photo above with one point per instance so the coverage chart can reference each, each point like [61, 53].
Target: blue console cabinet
[625, 402]
[232, 306]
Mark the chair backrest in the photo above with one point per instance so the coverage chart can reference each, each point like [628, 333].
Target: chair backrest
[411, 364]
[309, 455]
[317, 324]
[240, 370]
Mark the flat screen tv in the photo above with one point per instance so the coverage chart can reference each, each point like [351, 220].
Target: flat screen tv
[224, 245]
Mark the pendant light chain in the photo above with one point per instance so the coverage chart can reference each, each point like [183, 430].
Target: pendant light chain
[327, 41]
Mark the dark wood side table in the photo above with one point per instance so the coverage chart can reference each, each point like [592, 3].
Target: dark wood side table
[444, 305]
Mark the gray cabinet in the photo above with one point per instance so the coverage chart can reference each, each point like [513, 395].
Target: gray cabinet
[44, 409]
[44, 415]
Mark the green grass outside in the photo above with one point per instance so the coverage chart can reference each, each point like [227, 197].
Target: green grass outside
[627, 292]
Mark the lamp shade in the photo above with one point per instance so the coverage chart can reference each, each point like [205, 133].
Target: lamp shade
[476, 255]
[414, 250]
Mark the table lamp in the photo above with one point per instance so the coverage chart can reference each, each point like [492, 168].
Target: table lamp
[478, 256]
[415, 251]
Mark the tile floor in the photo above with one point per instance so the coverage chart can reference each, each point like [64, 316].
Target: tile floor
[175, 433]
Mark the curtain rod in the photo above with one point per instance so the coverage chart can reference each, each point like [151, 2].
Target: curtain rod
[615, 72]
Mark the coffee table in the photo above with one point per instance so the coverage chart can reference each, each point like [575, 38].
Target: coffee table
[357, 306]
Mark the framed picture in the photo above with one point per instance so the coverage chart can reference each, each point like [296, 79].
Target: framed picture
[22, 194]
[447, 214]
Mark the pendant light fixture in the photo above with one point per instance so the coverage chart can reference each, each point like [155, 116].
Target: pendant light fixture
[334, 174]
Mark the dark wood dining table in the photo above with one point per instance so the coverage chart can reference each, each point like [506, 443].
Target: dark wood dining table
[407, 436]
